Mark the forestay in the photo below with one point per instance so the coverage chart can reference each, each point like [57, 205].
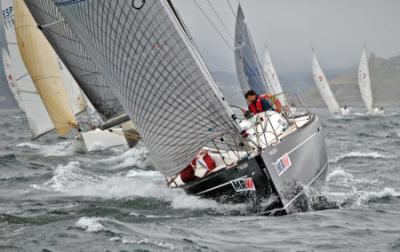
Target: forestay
[74, 56]
[364, 80]
[247, 65]
[156, 73]
[323, 86]
[272, 78]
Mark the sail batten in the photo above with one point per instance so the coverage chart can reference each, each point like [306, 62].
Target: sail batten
[157, 74]
[364, 81]
[323, 86]
[247, 64]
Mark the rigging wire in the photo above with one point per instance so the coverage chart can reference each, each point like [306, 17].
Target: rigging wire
[220, 19]
[215, 28]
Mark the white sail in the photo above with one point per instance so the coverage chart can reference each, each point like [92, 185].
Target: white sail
[75, 96]
[158, 76]
[323, 86]
[272, 78]
[364, 81]
[38, 119]
[10, 76]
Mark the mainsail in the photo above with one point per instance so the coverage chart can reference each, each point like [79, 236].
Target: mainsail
[247, 64]
[74, 56]
[323, 86]
[42, 64]
[272, 78]
[22, 84]
[364, 81]
[157, 74]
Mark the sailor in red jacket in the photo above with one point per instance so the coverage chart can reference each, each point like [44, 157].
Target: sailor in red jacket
[258, 103]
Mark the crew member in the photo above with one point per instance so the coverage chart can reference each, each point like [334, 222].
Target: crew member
[258, 103]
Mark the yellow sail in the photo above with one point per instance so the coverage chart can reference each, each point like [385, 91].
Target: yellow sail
[41, 62]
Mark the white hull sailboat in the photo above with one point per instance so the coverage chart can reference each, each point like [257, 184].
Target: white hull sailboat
[364, 82]
[325, 90]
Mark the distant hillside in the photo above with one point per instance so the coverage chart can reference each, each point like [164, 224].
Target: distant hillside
[385, 81]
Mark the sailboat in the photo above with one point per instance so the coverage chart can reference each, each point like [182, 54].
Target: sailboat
[364, 83]
[325, 90]
[117, 129]
[168, 92]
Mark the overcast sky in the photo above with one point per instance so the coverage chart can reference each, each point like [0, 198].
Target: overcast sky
[336, 28]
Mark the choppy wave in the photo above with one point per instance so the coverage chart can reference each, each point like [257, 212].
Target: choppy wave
[357, 154]
[59, 149]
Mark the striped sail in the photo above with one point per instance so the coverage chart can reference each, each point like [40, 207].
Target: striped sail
[157, 74]
[323, 86]
[272, 78]
[42, 64]
[364, 81]
[76, 59]
[247, 65]
[38, 119]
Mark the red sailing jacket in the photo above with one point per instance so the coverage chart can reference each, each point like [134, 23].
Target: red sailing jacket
[258, 108]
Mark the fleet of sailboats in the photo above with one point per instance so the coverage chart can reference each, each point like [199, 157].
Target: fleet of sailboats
[136, 64]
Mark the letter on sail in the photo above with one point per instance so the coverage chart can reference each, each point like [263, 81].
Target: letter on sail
[364, 81]
[41, 62]
[323, 86]
[247, 65]
[157, 74]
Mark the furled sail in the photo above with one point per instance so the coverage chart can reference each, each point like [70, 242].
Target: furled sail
[272, 78]
[157, 74]
[364, 81]
[41, 62]
[247, 64]
[74, 56]
[323, 86]
[31, 103]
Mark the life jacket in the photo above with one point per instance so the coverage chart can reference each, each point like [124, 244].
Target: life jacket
[257, 107]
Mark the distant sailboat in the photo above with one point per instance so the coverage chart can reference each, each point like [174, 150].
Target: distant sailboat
[364, 83]
[167, 90]
[324, 89]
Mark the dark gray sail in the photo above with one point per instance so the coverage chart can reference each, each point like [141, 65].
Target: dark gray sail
[74, 56]
[247, 66]
[157, 74]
